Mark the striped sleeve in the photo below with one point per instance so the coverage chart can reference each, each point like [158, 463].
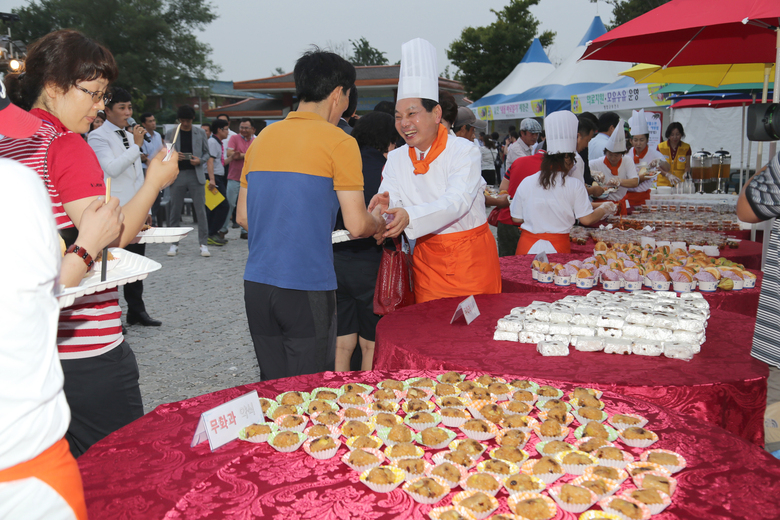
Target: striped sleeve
[763, 192]
[766, 337]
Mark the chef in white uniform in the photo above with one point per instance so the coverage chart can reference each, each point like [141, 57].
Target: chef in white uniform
[614, 169]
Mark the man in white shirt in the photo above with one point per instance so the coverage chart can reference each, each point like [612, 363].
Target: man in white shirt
[121, 162]
[217, 179]
[523, 147]
[608, 121]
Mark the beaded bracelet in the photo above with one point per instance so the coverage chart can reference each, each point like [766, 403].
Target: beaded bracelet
[83, 254]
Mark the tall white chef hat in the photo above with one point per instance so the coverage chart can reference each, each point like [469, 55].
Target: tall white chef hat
[419, 76]
[638, 123]
[561, 131]
[617, 142]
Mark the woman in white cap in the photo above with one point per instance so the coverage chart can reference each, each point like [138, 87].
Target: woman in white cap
[612, 170]
[645, 159]
[548, 203]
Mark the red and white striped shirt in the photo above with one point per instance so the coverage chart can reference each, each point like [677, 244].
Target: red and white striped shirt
[70, 171]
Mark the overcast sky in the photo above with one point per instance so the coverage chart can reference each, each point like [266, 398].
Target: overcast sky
[253, 37]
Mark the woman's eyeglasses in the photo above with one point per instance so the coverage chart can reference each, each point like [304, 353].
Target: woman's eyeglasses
[96, 96]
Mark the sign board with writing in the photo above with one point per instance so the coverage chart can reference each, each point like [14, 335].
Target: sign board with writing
[655, 124]
[221, 424]
[468, 309]
[518, 110]
[630, 98]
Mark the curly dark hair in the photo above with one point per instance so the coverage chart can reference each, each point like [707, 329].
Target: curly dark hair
[375, 130]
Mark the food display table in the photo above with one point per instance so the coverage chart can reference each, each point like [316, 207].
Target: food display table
[516, 277]
[722, 385]
[748, 253]
[148, 470]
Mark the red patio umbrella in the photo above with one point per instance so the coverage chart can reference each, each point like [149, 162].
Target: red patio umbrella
[711, 103]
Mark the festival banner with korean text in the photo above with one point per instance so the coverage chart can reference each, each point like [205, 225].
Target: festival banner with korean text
[630, 98]
[518, 110]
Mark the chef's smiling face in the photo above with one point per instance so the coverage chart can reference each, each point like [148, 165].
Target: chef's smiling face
[614, 158]
[639, 142]
[416, 125]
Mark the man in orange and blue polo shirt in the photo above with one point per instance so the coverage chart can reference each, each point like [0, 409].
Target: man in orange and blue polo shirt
[296, 174]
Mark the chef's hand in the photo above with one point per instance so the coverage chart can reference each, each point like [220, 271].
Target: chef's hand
[598, 177]
[381, 226]
[380, 199]
[398, 224]
[673, 179]
[609, 208]
[614, 182]
[655, 163]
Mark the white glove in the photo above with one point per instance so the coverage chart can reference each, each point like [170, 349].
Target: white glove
[609, 208]
[673, 179]
[655, 163]
[598, 177]
[614, 182]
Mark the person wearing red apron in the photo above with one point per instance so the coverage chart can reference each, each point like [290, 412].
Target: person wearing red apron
[548, 203]
[435, 190]
[643, 157]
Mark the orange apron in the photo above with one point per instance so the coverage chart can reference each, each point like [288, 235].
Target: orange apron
[57, 468]
[637, 198]
[456, 264]
[560, 241]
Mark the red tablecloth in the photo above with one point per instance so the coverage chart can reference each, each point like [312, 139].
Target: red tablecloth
[147, 469]
[722, 385]
[748, 253]
[516, 277]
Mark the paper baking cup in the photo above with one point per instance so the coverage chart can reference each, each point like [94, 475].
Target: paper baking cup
[429, 404]
[569, 418]
[438, 458]
[288, 449]
[525, 455]
[361, 469]
[257, 439]
[574, 469]
[563, 281]
[393, 407]
[571, 508]
[532, 423]
[492, 492]
[639, 479]
[622, 475]
[579, 442]
[454, 445]
[622, 426]
[337, 391]
[425, 500]
[672, 469]
[638, 443]
[399, 395]
[371, 428]
[576, 402]
[411, 476]
[334, 431]
[655, 509]
[271, 404]
[650, 467]
[540, 405]
[298, 428]
[304, 395]
[501, 397]
[658, 285]
[437, 512]
[352, 440]
[739, 285]
[463, 495]
[539, 447]
[585, 283]
[450, 437]
[544, 398]
[612, 285]
[384, 432]
[594, 513]
[620, 464]
[463, 472]
[540, 485]
[315, 420]
[604, 504]
[683, 287]
[481, 436]
[583, 421]
[461, 376]
[383, 488]
[613, 485]
[419, 453]
[544, 438]
[421, 426]
[632, 285]
[545, 277]
[455, 422]
[440, 404]
[708, 286]
[611, 432]
[367, 389]
[519, 497]
[272, 409]
[324, 454]
[547, 478]
[367, 400]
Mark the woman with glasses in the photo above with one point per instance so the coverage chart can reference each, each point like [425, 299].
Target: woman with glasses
[65, 83]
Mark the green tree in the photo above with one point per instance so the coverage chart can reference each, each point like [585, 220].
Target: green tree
[486, 55]
[625, 10]
[153, 41]
[364, 54]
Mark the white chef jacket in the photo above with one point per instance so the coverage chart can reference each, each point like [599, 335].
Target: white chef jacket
[516, 150]
[448, 199]
[626, 170]
[122, 165]
[578, 170]
[552, 210]
[651, 155]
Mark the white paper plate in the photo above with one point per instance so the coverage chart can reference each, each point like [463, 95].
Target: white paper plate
[132, 268]
[342, 235]
[162, 235]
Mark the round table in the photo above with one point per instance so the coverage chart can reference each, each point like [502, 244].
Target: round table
[148, 470]
[516, 277]
[722, 385]
[748, 253]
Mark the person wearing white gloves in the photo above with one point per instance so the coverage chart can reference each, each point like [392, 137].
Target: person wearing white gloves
[548, 203]
[647, 161]
[614, 170]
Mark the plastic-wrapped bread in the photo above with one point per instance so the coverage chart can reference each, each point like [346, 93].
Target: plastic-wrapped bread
[689, 324]
[674, 350]
[579, 330]
[634, 331]
[585, 316]
[541, 327]
[530, 337]
[560, 315]
[588, 344]
[667, 294]
[640, 317]
[607, 332]
[518, 311]
[664, 306]
[645, 347]
[511, 323]
[665, 320]
[552, 348]
[642, 303]
[560, 328]
[537, 313]
[692, 296]
[684, 336]
[504, 335]
[562, 338]
[611, 320]
[618, 346]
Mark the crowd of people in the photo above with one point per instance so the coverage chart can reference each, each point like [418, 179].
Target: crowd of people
[415, 168]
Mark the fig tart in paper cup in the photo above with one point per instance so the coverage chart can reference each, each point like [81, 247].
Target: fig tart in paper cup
[359, 442]
[318, 430]
[293, 398]
[486, 410]
[522, 395]
[601, 515]
[421, 382]
[530, 424]
[413, 420]
[500, 469]
[358, 413]
[449, 477]
[360, 469]
[485, 430]
[659, 482]
[245, 433]
[438, 512]
[358, 388]
[655, 507]
[513, 438]
[472, 448]
[614, 420]
[612, 434]
[398, 476]
[555, 393]
[637, 468]
[575, 469]
[412, 468]
[615, 463]
[610, 486]
[580, 443]
[539, 447]
[543, 406]
[514, 502]
[429, 407]
[355, 428]
[584, 420]
[519, 456]
[451, 377]
[485, 510]
[328, 450]
[547, 478]
[384, 432]
[605, 472]
[638, 506]
[387, 420]
[426, 435]
[334, 420]
[383, 406]
[524, 384]
[576, 402]
[386, 394]
[592, 391]
[569, 417]
[638, 443]
[354, 400]
[480, 481]
[564, 433]
[282, 441]
[462, 460]
[672, 468]
[325, 393]
[512, 482]
[422, 492]
[555, 492]
[391, 452]
[455, 418]
[266, 404]
[277, 410]
[451, 401]
[292, 422]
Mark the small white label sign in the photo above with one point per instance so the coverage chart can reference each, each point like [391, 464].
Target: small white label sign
[468, 309]
[221, 424]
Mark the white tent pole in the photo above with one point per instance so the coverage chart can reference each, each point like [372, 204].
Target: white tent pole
[741, 147]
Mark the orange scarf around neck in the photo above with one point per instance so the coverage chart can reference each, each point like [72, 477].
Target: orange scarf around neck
[641, 154]
[422, 166]
[612, 169]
